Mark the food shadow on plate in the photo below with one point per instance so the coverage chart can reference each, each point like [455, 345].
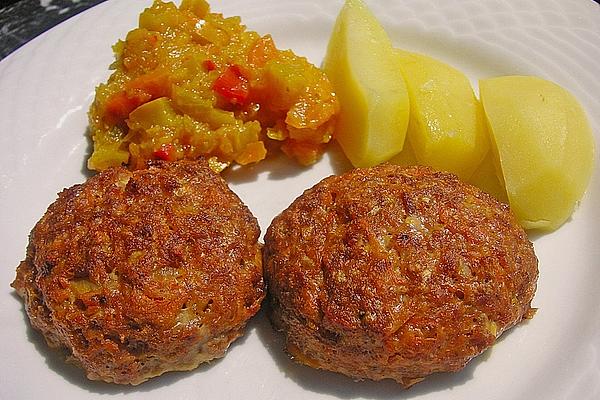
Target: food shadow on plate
[56, 361]
[340, 386]
[85, 171]
[277, 165]
[337, 159]
[535, 234]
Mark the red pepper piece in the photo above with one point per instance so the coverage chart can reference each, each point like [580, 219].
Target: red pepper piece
[232, 85]
[164, 153]
[209, 65]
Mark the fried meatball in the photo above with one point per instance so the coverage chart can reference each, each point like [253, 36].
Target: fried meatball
[139, 273]
[392, 272]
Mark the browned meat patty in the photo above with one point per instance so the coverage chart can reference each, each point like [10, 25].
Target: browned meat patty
[139, 273]
[396, 273]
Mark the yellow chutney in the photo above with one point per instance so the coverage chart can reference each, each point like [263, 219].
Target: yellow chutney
[189, 83]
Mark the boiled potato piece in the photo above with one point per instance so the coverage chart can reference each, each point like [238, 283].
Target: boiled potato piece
[488, 177]
[406, 157]
[544, 144]
[364, 70]
[447, 126]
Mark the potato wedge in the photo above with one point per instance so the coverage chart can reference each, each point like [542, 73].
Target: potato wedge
[406, 157]
[488, 177]
[447, 127]
[364, 70]
[544, 144]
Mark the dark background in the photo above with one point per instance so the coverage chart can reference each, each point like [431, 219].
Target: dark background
[22, 20]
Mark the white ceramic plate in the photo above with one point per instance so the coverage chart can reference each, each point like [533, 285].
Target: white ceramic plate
[47, 86]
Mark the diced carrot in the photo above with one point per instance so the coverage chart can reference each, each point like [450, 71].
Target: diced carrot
[264, 50]
[253, 152]
[122, 103]
[305, 153]
[140, 90]
[155, 83]
[233, 85]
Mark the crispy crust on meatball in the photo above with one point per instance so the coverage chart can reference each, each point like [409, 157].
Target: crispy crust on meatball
[139, 273]
[392, 272]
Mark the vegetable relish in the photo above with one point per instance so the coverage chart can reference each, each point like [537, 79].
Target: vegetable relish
[189, 83]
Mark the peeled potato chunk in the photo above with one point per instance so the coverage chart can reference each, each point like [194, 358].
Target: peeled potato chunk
[406, 157]
[488, 178]
[364, 70]
[447, 127]
[544, 144]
